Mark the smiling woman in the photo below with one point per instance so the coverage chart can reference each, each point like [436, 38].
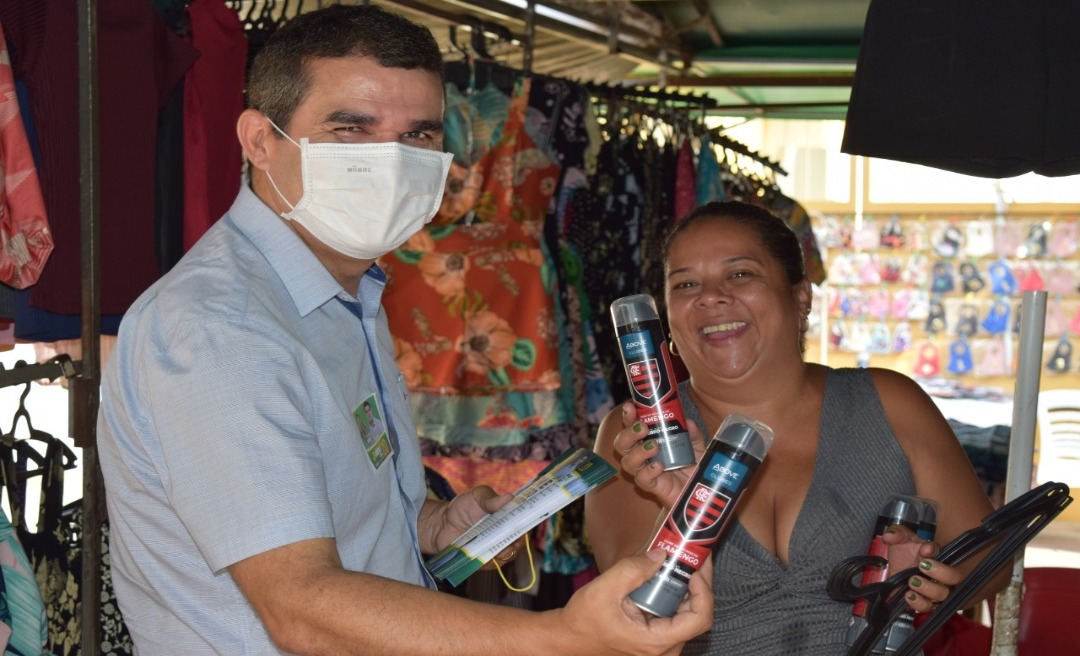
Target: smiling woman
[845, 440]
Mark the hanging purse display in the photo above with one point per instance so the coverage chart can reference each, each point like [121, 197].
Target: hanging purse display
[927, 361]
[979, 239]
[920, 305]
[1002, 281]
[1036, 240]
[960, 357]
[880, 338]
[901, 340]
[935, 320]
[942, 281]
[967, 324]
[947, 241]
[1063, 239]
[996, 320]
[1006, 239]
[892, 234]
[971, 280]
[1061, 359]
[1029, 279]
[1060, 281]
[992, 362]
[1055, 324]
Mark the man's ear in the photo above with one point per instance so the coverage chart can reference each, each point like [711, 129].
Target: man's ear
[254, 131]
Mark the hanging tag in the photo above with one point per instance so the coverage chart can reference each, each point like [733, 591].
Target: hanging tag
[960, 357]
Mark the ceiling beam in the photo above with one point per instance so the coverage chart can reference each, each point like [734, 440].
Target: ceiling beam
[747, 80]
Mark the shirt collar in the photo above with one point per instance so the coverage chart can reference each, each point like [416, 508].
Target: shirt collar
[309, 283]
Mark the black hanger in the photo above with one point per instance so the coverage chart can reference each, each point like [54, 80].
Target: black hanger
[9, 439]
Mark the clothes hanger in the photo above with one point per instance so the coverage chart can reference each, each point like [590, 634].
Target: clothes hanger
[9, 439]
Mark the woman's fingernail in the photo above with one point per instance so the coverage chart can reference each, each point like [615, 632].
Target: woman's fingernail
[890, 530]
[916, 582]
[912, 597]
[637, 427]
[649, 445]
[926, 565]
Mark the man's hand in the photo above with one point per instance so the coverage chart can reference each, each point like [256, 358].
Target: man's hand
[604, 620]
[441, 522]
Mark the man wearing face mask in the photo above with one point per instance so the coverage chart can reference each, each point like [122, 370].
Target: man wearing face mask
[248, 514]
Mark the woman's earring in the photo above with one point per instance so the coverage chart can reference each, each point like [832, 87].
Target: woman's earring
[671, 347]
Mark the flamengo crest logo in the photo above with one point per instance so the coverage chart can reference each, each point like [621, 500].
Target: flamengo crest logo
[702, 511]
[648, 380]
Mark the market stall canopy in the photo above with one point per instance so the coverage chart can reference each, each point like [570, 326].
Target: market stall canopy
[776, 58]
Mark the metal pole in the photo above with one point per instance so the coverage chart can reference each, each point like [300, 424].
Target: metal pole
[83, 395]
[1021, 457]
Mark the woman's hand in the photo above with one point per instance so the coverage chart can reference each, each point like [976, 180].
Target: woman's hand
[934, 581]
[636, 449]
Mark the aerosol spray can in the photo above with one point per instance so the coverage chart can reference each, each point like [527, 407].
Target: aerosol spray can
[652, 382]
[904, 625]
[899, 509]
[705, 506]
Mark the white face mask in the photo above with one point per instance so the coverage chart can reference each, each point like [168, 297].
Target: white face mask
[365, 200]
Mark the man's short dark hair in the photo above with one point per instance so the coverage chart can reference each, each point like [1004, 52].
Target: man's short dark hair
[279, 79]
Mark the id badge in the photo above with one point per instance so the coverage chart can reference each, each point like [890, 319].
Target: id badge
[370, 420]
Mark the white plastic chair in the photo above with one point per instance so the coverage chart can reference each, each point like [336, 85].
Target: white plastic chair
[1058, 416]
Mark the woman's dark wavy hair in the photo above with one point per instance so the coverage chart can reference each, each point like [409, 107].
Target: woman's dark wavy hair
[279, 80]
[776, 236]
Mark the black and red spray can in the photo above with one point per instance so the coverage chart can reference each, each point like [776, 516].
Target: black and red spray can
[653, 387]
[901, 510]
[704, 509]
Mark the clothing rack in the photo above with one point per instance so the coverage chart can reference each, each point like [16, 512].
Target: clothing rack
[724, 141]
[638, 92]
[61, 365]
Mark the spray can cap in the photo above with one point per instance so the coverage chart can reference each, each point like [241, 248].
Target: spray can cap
[746, 434]
[927, 519]
[635, 308]
[903, 509]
